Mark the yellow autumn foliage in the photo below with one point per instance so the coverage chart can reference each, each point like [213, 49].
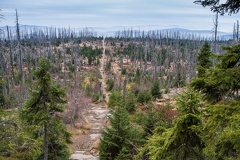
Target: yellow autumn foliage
[128, 87]
[86, 82]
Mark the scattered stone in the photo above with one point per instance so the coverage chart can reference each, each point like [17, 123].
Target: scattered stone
[82, 157]
[95, 136]
[101, 116]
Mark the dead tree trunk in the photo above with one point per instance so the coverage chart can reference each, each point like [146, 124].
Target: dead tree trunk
[75, 66]
[215, 36]
[20, 54]
[64, 63]
[2, 67]
[11, 57]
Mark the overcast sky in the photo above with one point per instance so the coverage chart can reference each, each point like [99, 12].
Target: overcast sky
[109, 13]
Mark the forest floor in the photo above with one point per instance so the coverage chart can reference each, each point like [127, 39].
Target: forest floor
[85, 145]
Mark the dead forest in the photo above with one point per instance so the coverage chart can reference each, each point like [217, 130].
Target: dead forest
[92, 69]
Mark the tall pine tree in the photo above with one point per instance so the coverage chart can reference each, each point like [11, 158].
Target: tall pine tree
[40, 115]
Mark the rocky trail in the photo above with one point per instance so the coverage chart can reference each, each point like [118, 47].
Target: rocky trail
[87, 148]
[95, 114]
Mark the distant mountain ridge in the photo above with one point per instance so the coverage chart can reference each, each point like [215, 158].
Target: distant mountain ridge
[111, 31]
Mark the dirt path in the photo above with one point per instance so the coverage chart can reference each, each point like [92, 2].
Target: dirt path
[103, 61]
[95, 114]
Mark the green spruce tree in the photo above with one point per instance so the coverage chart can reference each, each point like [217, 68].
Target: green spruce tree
[121, 140]
[203, 58]
[222, 130]
[144, 96]
[40, 115]
[155, 90]
[130, 102]
[221, 82]
[114, 140]
[183, 141]
[220, 87]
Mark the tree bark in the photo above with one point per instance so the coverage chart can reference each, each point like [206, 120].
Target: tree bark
[64, 62]
[45, 143]
[11, 57]
[2, 64]
[20, 55]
